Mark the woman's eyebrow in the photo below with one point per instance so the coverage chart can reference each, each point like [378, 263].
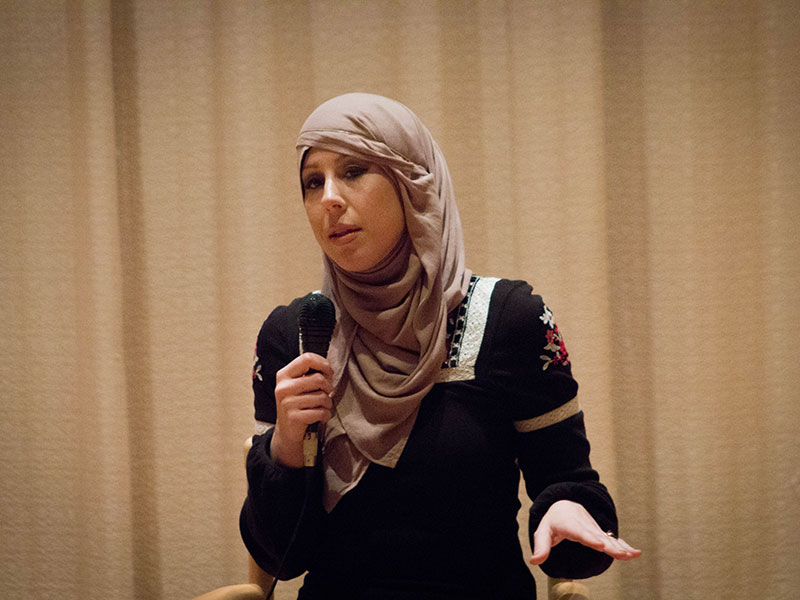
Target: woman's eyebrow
[311, 164]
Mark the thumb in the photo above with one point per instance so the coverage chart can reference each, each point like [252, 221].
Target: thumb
[542, 542]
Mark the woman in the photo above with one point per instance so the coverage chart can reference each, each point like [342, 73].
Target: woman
[439, 387]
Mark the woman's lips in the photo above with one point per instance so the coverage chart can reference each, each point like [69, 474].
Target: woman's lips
[342, 233]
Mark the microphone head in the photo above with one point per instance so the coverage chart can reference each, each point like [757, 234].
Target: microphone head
[316, 321]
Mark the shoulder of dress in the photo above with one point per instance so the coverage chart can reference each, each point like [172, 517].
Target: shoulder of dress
[288, 312]
[280, 328]
[490, 302]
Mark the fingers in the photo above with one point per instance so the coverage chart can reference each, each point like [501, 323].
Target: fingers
[302, 395]
[300, 411]
[302, 403]
[306, 362]
[303, 391]
[620, 549]
[313, 384]
[307, 375]
[595, 538]
[542, 543]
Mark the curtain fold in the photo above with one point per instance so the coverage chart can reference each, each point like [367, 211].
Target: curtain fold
[637, 162]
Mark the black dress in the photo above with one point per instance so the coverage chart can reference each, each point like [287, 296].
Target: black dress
[441, 525]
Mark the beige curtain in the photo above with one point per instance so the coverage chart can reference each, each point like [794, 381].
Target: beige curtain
[637, 161]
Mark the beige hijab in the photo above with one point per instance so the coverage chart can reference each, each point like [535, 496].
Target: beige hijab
[390, 338]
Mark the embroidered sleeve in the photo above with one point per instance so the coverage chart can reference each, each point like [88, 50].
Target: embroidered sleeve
[529, 360]
[257, 365]
[556, 351]
[276, 346]
[262, 395]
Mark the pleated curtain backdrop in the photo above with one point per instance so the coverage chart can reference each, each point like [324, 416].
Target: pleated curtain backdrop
[636, 161]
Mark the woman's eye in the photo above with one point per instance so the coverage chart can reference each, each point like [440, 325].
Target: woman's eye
[355, 171]
[312, 182]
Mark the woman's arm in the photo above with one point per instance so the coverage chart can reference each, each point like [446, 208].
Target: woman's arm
[571, 509]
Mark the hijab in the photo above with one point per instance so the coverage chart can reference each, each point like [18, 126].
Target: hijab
[391, 333]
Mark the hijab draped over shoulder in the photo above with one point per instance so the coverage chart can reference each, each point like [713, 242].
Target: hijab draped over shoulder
[390, 338]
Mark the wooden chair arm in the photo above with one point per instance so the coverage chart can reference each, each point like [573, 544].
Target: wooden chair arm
[243, 591]
[566, 589]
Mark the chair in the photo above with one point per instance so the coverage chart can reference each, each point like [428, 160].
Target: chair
[260, 581]
[566, 589]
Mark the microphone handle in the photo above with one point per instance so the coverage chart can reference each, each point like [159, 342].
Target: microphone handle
[311, 440]
[316, 323]
[311, 445]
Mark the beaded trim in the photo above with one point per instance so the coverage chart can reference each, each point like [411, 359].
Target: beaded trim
[456, 322]
[465, 335]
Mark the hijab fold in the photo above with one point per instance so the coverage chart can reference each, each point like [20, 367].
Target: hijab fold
[390, 338]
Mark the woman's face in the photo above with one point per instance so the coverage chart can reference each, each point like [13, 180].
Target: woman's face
[353, 208]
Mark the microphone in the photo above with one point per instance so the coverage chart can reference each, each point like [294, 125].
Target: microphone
[316, 322]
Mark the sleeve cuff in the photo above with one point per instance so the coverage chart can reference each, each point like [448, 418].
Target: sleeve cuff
[273, 471]
[571, 560]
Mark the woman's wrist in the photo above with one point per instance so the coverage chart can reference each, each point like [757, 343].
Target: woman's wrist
[290, 455]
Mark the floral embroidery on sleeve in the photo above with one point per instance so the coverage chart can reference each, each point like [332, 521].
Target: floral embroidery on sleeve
[256, 366]
[557, 351]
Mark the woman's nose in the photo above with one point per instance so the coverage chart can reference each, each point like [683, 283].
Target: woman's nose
[331, 196]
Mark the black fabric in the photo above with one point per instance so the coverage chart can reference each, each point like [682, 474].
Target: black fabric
[442, 524]
[277, 345]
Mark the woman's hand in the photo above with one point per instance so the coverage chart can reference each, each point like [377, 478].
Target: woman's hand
[566, 520]
[301, 398]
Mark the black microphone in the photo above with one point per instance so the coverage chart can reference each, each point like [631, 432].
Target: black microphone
[316, 321]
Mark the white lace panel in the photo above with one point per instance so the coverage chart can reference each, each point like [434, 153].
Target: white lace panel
[262, 427]
[462, 366]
